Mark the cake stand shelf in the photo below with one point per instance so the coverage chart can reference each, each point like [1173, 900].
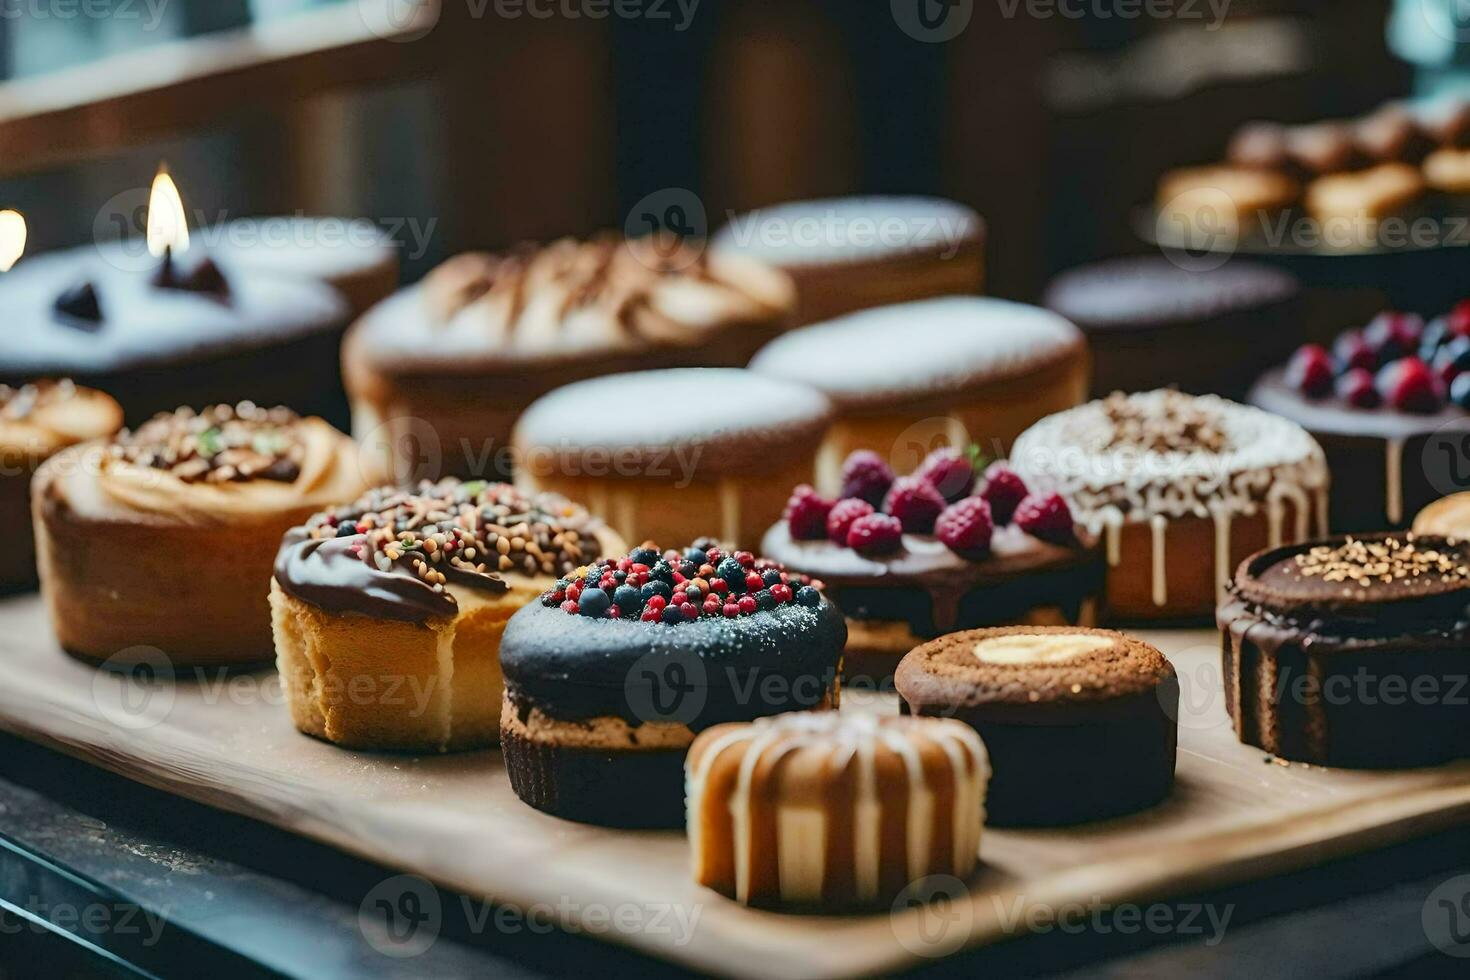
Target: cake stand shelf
[227, 742]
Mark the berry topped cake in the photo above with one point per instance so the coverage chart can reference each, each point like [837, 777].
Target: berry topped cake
[1388, 403]
[609, 678]
[1352, 651]
[948, 548]
[960, 370]
[852, 253]
[1181, 488]
[454, 360]
[416, 585]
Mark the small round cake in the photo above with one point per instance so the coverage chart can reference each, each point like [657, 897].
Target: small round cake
[957, 370]
[832, 811]
[1181, 488]
[943, 550]
[1150, 322]
[388, 612]
[852, 253]
[161, 540]
[1447, 517]
[37, 421]
[353, 256]
[612, 675]
[1081, 725]
[1352, 651]
[1391, 409]
[440, 372]
[671, 454]
[184, 333]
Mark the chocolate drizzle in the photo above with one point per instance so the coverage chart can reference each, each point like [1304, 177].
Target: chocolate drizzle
[334, 574]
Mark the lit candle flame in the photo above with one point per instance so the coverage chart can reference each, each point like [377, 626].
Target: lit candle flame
[168, 226]
[12, 239]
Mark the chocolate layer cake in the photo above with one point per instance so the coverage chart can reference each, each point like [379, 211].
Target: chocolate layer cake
[1352, 652]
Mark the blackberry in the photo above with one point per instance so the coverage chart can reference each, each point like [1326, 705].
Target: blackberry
[764, 599]
[733, 573]
[655, 588]
[661, 571]
[771, 577]
[645, 556]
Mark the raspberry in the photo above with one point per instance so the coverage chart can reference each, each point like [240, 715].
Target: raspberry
[866, 476]
[1046, 516]
[839, 521]
[915, 503]
[875, 534]
[747, 604]
[1003, 490]
[806, 514]
[950, 472]
[731, 610]
[781, 593]
[966, 527]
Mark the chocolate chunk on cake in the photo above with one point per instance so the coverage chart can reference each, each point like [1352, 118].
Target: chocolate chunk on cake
[1352, 652]
[1081, 724]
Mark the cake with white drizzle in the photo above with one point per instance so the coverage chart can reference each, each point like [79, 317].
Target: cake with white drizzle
[831, 810]
[672, 455]
[852, 253]
[1168, 479]
[453, 361]
[954, 370]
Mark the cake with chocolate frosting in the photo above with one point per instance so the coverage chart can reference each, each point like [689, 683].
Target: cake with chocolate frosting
[1352, 651]
[833, 811]
[183, 332]
[949, 548]
[1148, 321]
[1180, 488]
[671, 455]
[414, 588]
[1081, 724]
[954, 370]
[37, 421]
[453, 361]
[609, 678]
[853, 253]
[160, 541]
[1390, 405]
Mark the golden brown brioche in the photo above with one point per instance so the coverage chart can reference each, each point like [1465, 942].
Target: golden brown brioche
[164, 537]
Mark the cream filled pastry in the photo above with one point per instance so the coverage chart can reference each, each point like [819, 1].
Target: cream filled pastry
[1181, 489]
[36, 422]
[388, 611]
[455, 360]
[162, 539]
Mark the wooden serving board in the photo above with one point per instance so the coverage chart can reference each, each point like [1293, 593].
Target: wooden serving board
[229, 743]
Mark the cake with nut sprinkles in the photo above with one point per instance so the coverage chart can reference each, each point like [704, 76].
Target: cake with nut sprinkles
[416, 586]
[1353, 651]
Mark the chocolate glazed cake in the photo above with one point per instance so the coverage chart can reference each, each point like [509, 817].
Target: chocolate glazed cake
[1080, 724]
[606, 689]
[1354, 652]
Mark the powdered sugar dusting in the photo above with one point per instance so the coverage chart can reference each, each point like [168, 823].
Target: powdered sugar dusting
[1262, 457]
[914, 349]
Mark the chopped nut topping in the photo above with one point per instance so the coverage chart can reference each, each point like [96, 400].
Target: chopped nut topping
[1389, 560]
[451, 528]
[17, 404]
[1183, 426]
[222, 444]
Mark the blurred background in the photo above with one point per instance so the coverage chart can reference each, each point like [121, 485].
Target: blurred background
[479, 123]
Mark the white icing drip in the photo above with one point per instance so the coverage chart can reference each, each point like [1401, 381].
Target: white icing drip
[1394, 477]
[623, 511]
[1160, 525]
[1321, 502]
[920, 825]
[744, 826]
[1275, 520]
[801, 857]
[1065, 453]
[729, 510]
[867, 824]
[1112, 521]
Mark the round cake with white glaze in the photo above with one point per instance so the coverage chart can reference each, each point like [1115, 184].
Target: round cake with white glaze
[852, 253]
[955, 370]
[830, 810]
[671, 455]
[439, 373]
[1168, 479]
